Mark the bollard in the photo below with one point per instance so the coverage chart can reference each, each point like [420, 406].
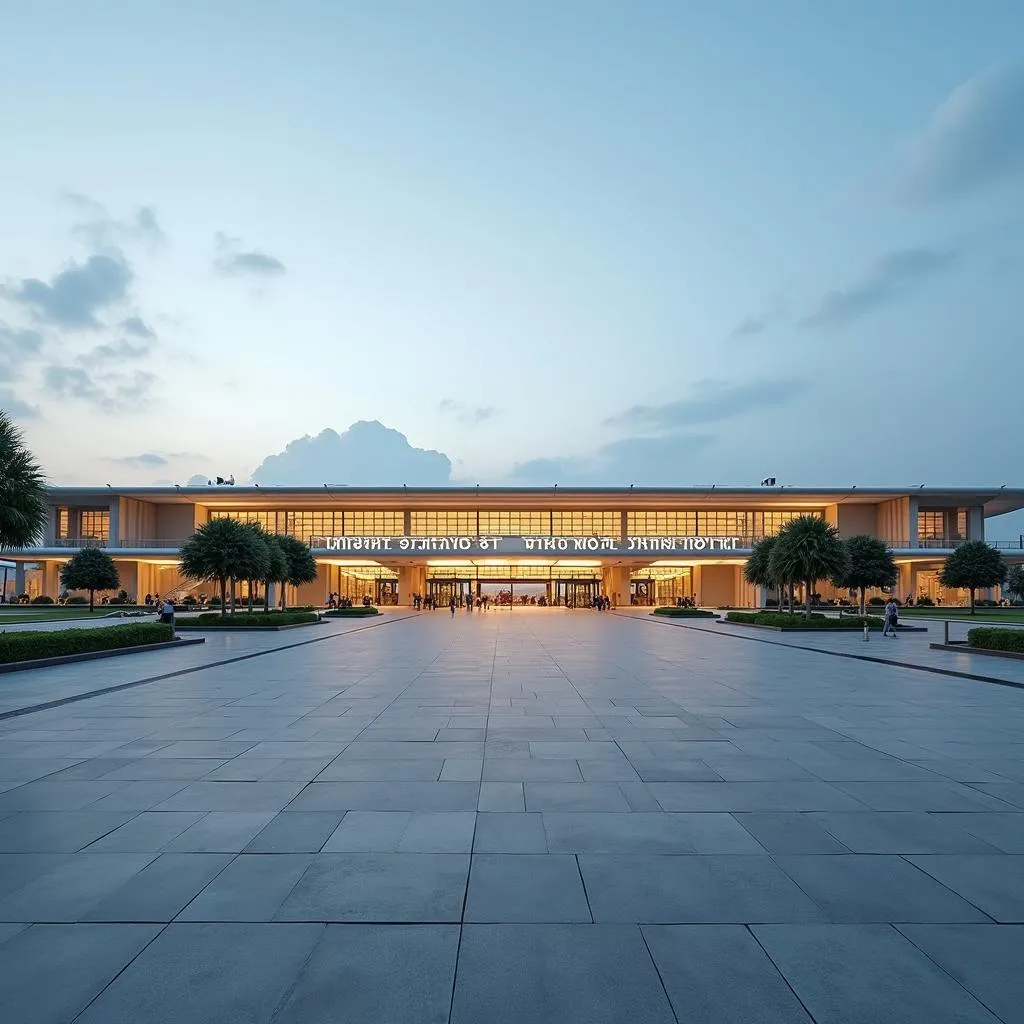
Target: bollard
[866, 638]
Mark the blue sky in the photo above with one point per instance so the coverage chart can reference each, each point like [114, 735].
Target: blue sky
[573, 242]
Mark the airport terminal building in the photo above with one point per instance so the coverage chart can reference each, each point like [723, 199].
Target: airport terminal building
[552, 546]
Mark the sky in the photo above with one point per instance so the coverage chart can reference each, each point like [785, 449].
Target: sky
[616, 243]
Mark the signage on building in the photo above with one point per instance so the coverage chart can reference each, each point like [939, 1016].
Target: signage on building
[528, 545]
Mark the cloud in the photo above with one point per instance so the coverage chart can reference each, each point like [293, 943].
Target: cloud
[138, 328]
[198, 480]
[234, 261]
[107, 392]
[17, 347]
[15, 407]
[644, 461]
[471, 415]
[115, 351]
[76, 293]
[104, 233]
[145, 460]
[749, 325]
[712, 402]
[368, 454]
[973, 140]
[883, 282]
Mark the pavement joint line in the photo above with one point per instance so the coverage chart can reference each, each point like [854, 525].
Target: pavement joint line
[89, 694]
[934, 669]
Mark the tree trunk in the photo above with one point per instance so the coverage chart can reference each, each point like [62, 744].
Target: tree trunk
[792, 595]
[266, 595]
[92, 596]
[972, 599]
[232, 595]
[223, 596]
[807, 598]
[863, 601]
[250, 597]
[284, 595]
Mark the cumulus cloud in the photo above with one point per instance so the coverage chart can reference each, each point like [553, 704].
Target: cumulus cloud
[150, 460]
[17, 407]
[138, 328]
[111, 392]
[471, 415]
[234, 260]
[644, 461]
[104, 233]
[368, 454]
[711, 402]
[749, 325]
[973, 140]
[75, 294]
[884, 282]
[18, 346]
[116, 352]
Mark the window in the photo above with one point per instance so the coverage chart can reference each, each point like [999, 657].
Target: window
[374, 524]
[515, 524]
[96, 524]
[662, 524]
[443, 524]
[586, 524]
[771, 522]
[712, 523]
[63, 524]
[931, 525]
[962, 523]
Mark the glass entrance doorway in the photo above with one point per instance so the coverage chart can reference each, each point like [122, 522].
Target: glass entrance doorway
[387, 592]
[578, 593]
[442, 591]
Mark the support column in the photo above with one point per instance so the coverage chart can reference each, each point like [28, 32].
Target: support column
[129, 573]
[114, 529]
[908, 581]
[618, 585]
[19, 579]
[51, 579]
[407, 578]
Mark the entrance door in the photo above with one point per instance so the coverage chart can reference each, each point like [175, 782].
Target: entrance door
[578, 593]
[387, 592]
[442, 591]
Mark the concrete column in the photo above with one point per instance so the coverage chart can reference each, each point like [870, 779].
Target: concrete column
[975, 524]
[407, 583]
[129, 573]
[19, 579]
[617, 585]
[908, 581]
[912, 524]
[272, 595]
[623, 528]
[51, 579]
[114, 529]
[50, 530]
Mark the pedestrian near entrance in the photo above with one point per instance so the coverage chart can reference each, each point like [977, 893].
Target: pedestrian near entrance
[891, 618]
[451, 604]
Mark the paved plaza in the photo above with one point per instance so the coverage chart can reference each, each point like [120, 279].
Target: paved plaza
[511, 817]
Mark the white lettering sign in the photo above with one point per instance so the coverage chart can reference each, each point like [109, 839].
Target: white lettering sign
[516, 545]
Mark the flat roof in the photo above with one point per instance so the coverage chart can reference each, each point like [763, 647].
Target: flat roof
[994, 500]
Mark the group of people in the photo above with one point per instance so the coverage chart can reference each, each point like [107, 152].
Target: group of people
[335, 600]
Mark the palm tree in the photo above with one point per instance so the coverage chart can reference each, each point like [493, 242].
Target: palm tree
[869, 564]
[808, 549]
[277, 568]
[257, 558]
[756, 571]
[219, 550]
[22, 493]
[302, 567]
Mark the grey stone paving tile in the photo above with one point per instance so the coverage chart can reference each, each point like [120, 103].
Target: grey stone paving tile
[138, 796]
[94, 768]
[572, 751]
[575, 796]
[854, 974]
[789, 832]
[18, 869]
[56, 832]
[56, 795]
[519, 769]
[638, 796]
[984, 958]
[898, 832]
[607, 770]
[387, 796]
[609, 832]
[8, 931]
[462, 770]
[199, 973]
[919, 796]
[50, 972]
[161, 889]
[728, 889]
[869, 889]
[756, 769]
[1005, 832]
[71, 887]
[351, 977]
[781, 795]
[380, 887]
[672, 770]
[202, 749]
[570, 973]
[367, 750]
[166, 769]
[438, 832]
[232, 796]
[719, 973]
[251, 887]
[220, 832]
[507, 832]
[524, 888]
[1011, 793]
[147, 832]
[993, 883]
[296, 832]
[369, 832]
[426, 769]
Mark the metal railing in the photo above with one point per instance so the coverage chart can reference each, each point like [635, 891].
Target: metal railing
[969, 624]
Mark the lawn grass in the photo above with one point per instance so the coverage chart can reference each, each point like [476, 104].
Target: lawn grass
[995, 614]
[21, 615]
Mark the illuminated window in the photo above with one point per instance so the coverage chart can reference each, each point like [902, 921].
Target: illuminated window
[374, 524]
[96, 524]
[711, 523]
[662, 524]
[443, 524]
[962, 527]
[772, 522]
[586, 524]
[515, 524]
[931, 525]
[63, 524]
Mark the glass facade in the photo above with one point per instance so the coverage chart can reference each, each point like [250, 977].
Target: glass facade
[443, 524]
[931, 525]
[714, 523]
[63, 523]
[515, 524]
[96, 524]
[586, 524]
[319, 523]
[374, 524]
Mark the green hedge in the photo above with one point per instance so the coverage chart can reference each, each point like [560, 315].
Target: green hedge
[684, 613]
[992, 638]
[816, 621]
[216, 620]
[28, 645]
[351, 613]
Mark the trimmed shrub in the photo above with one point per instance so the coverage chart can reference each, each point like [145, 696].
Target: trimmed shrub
[357, 611]
[214, 601]
[29, 645]
[218, 621]
[992, 638]
[42, 599]
[878, 602]
[924, 602]
[684, 613]
[77, 599]
[816, 621]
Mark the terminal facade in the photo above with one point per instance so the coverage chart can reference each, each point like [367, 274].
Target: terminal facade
[550, 546]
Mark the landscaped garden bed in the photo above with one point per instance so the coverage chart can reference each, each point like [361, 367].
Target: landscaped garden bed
[684, 613]
[245, 621]
[991, 640]
[784, 622]
[355, 612]
[39, 648]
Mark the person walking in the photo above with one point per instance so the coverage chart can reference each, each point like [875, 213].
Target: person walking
[891, 618]
[451, 604]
